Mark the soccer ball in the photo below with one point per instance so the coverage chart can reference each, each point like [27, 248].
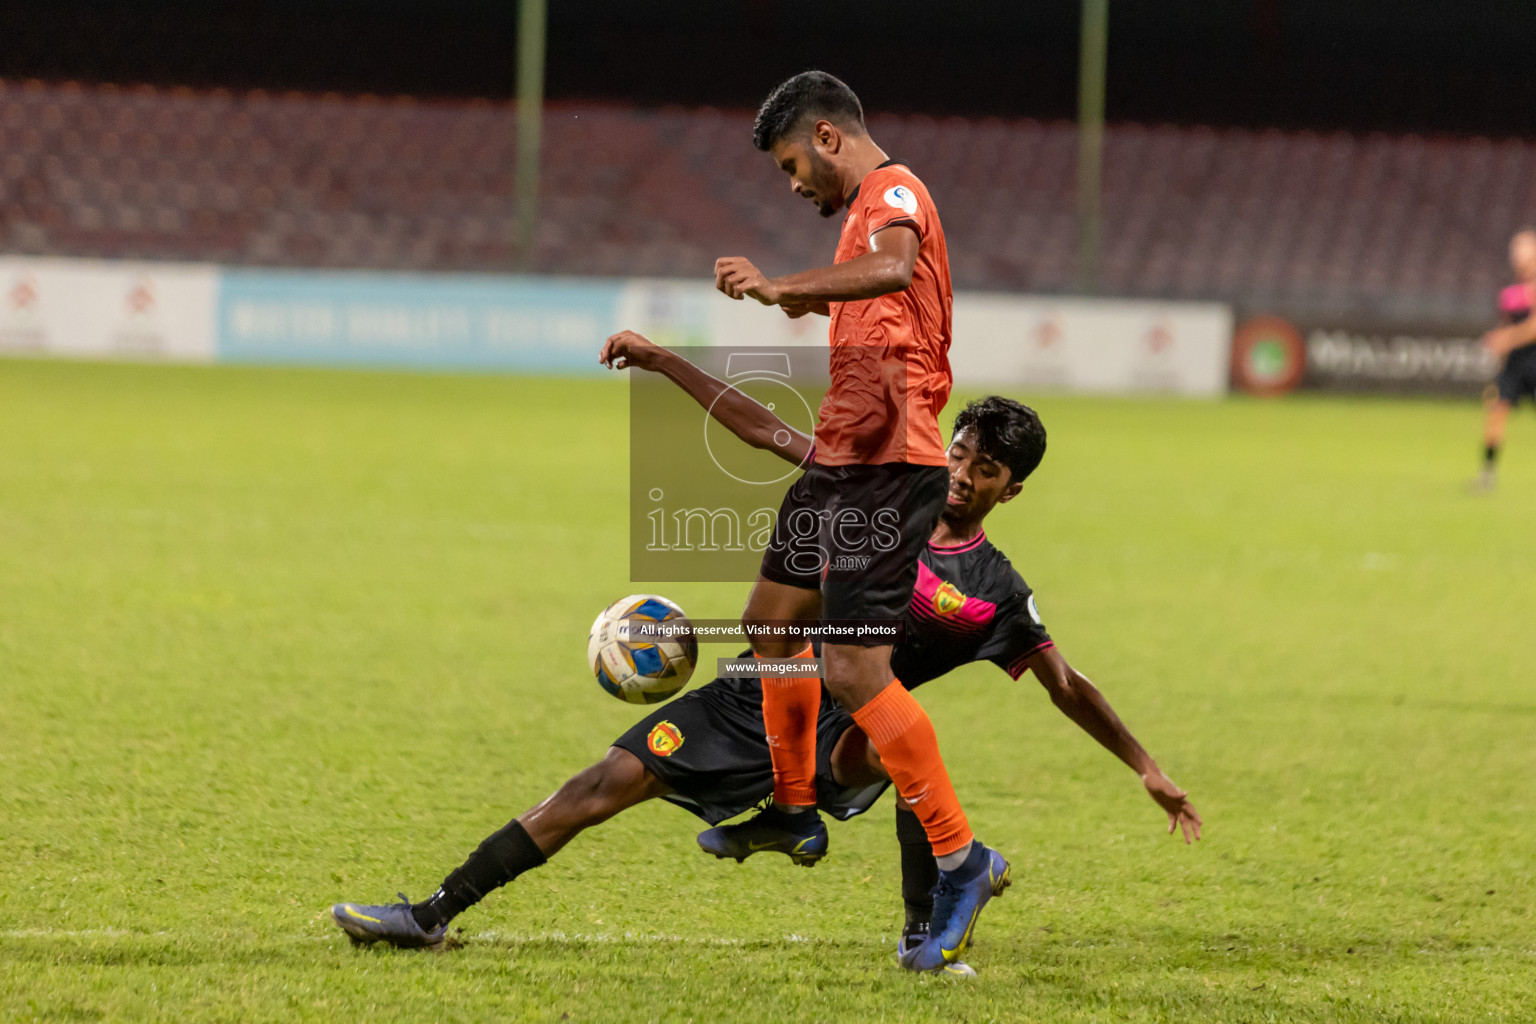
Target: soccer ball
[636, 668]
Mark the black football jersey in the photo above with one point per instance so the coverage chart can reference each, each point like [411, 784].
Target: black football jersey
[970, 604]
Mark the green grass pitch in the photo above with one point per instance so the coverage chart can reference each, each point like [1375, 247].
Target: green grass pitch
[273, 639]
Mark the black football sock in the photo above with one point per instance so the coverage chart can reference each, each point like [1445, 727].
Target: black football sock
[1490, 455]
[802, 821]
[919, 871]
[503, 856]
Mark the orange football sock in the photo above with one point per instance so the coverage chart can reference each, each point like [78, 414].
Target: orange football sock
[790, 707]
[903, 736]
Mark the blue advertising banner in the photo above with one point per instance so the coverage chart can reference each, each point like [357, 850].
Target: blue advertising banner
[442, 321]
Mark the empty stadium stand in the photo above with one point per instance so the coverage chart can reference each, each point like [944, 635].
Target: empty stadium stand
[1406, 224]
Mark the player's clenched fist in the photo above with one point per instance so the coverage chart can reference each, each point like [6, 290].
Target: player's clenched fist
[796, 310]
[626, 349]
[738, 278]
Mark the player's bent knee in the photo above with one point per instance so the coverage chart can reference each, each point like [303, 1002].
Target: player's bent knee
[620, 775]
[854, 760]
[772, 602]
[626, 778]
[601, 790]
[855, 675]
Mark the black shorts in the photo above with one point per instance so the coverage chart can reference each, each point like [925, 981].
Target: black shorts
[1517, 379]
[855, 533]
[710, 747]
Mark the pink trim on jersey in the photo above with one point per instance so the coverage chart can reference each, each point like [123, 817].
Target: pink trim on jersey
[1017, 666]
[959, 548]
[923, 610]
[973, 615]
[1515, 299]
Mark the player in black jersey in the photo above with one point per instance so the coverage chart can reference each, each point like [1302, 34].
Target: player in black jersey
[1514, 343]
[707, 751]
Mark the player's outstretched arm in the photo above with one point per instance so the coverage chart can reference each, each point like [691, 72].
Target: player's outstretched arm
[742, 415]
[1082, 702]
[1501, 340]
[886, 268]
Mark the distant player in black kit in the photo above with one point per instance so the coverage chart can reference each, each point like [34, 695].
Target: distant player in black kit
[1514, 342]
[707, 751]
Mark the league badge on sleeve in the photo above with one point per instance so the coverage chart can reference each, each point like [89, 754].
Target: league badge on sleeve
[902, 199]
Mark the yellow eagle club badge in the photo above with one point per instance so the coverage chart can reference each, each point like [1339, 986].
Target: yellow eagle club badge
[947, 599]
[664, 739]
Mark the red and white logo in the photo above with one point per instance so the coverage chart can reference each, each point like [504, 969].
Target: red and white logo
[140, 300]
[664, 739]
[23, 295]
[1159, 338]
[1047, 332]
[21, 327]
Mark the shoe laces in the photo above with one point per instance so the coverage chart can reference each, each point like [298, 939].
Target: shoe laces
[405, 901]
[946, 896]
[762, 808]
[802, 823]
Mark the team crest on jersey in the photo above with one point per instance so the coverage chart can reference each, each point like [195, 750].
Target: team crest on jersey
[664, 739]
[947, 599]
[901, 198]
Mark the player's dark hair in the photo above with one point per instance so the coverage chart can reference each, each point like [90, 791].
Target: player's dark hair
[809, 96]
[1006, 431]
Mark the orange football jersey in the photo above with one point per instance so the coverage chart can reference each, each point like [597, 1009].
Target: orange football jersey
[890, 355]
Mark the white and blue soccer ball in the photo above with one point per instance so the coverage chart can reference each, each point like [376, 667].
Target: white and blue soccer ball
[631, 661]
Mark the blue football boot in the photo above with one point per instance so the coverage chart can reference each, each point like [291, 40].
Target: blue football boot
[956, 906]
[801, 836]
[394, 924]
[912, 937]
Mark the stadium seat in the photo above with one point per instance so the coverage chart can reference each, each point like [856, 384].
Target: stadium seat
[1406, 223]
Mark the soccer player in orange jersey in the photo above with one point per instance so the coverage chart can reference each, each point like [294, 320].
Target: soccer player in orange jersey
[849, 532]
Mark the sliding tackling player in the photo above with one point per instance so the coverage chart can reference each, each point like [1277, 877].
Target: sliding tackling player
[706, 750]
